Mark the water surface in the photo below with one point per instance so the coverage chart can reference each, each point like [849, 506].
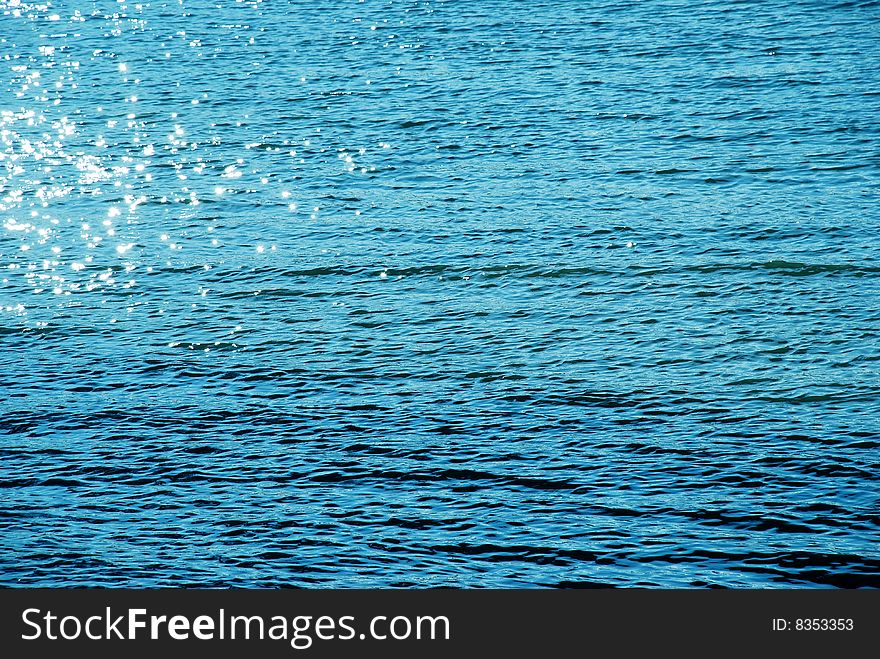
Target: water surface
[300, 293]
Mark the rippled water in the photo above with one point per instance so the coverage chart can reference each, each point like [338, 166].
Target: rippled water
[486, 293]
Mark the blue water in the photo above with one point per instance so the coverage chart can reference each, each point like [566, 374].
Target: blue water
[397, 293]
